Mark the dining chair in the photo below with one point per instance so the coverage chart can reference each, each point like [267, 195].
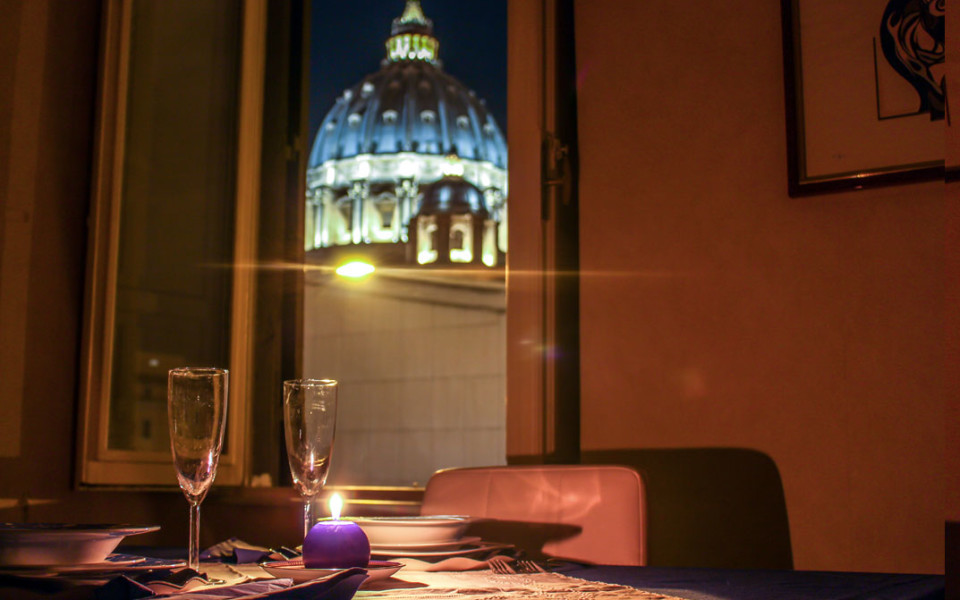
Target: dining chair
[709, 507]
[582, 513]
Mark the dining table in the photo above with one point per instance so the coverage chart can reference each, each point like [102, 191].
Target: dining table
[417, 580]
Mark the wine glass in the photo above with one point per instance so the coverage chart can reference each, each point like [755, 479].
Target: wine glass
[197, 410]
[310, 420]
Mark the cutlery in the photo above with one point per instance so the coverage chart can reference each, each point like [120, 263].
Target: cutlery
[529, 566]
[501, 565]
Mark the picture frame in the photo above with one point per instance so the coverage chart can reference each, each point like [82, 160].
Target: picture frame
[854, 119]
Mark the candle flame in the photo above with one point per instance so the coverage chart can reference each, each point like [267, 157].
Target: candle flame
[336, 505]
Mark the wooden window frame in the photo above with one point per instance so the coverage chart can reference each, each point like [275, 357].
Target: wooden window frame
[97, 463]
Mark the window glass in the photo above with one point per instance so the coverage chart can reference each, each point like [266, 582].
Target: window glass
[418, 345]
[176, 226]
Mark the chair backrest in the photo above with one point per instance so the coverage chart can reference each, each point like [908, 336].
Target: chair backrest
[584, 513]
[709, 507]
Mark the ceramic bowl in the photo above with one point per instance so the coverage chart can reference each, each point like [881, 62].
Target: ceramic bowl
[397, 531]
[38, 544]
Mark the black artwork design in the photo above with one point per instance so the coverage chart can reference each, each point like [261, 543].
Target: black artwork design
[912, 37]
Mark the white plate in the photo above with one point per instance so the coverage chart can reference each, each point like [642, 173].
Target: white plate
[115, 563]
[294, 569]
[482, 548]
[435, 546]
[45, 544]
[394, 531]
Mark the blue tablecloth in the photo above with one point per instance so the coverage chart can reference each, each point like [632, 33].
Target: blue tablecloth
[687, 583]
[732, 584]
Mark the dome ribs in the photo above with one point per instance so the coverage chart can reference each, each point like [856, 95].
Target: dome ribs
[428, 103]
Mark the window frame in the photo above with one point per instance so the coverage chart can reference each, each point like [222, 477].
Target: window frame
[99, 465]
[541, 427]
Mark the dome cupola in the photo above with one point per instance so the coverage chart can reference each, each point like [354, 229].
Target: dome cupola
[380, 162]
[411, 36]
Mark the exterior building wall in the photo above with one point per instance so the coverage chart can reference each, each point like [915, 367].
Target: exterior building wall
[422, 375]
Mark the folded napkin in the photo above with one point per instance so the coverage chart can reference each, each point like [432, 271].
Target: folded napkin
[338, 586]
[234, 550]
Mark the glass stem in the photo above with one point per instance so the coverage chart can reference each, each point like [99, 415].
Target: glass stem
[193, 559]
[307, 515]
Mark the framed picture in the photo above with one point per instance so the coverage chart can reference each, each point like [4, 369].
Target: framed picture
[865, 92]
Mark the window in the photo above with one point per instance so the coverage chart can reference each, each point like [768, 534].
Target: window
[419, 347]
[239, 40]
[386, 209]
[158, 300]
[461, 239]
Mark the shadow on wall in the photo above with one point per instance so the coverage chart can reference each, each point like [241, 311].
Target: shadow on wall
[710, 507]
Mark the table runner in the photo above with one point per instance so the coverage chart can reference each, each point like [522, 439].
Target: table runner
[474, 585]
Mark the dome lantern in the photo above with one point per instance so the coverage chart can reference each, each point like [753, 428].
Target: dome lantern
[411, 36]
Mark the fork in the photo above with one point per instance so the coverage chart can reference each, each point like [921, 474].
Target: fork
[529, 566]
[501, 565]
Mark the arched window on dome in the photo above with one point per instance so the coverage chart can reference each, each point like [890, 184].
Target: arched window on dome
[426, 240]
[384, 227]
[342, 226]
[461, 238]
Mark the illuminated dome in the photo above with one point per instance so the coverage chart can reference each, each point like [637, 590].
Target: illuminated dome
[405, 126]
[409, 106]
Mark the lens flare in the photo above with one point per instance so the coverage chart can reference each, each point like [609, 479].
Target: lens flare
[355, 269]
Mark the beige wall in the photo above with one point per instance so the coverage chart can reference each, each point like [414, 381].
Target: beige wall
[718, 311]
[47, 60]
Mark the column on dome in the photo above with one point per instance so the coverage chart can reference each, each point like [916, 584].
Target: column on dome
[358, 196]
[312, 221]
[328, 217]
[489, 252]
[498, 213]
[479, 228]
[441, 238]
[340, 227]
[406, 192]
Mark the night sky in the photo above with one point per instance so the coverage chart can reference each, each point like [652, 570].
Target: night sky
[348, 37]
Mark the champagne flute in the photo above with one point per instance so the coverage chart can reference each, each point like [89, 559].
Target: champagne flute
[197, 410]
[310, 420]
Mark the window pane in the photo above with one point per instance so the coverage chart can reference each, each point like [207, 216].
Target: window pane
[408, 173]
[177, 219]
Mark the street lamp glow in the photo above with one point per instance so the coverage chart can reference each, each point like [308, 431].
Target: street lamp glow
[355, 269]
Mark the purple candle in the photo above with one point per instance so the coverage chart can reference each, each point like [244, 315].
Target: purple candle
[335, 544]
